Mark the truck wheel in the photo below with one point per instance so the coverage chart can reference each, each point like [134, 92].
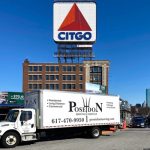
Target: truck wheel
[95, 132]
[10, 140]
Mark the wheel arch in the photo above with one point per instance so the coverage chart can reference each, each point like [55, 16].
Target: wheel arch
[95, 131]
[15, 131]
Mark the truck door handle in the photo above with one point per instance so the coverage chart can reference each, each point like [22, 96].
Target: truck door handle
[32, 125]
[21, 123]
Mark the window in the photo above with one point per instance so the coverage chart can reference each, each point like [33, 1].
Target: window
[47, 68]
[57, 77]
[52, 77]
[34, 86]
[80, 86]
[52, 68]
[69, 68]
[96, 69]
[47, 86]
[40, 77]
[47, 77]
[80, 77]
[68, 77]
[95, 78]
[35, 77]
[30, 86]
[35, 68]
[73, 77]
[68, 86]
[30, 77]
[51, 86]
[100, 69]
[64, 86]
[57, 86]
[12, 116]
[80, 68]
[74, 68]
[64, 68]
[40, 86]
[40, 68]
[64, 77]
[30, 68]
[57, 68]
[26, 115]
[73, 86]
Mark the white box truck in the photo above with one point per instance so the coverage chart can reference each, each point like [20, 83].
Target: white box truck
[51, 111]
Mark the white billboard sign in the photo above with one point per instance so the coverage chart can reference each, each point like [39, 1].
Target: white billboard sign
[74, 22]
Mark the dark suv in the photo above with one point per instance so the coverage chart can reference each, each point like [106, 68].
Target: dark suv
[137, 122]
[147, 121]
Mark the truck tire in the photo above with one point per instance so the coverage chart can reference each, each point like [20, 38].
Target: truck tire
[10, 140]
[95, 132]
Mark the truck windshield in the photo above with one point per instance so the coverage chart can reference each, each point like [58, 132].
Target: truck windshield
[12, 115]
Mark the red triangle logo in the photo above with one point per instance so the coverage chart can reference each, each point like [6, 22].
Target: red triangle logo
[74, 21]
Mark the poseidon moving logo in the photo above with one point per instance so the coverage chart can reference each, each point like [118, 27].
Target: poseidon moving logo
[76, 25]
[86, 106]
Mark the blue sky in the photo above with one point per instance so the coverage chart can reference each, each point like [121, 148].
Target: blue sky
[123, 38]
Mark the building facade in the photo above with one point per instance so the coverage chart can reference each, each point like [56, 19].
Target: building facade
[97, 72]
[148, 97]
[64, 76]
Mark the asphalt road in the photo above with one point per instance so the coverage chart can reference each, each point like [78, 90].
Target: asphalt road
[130, 139]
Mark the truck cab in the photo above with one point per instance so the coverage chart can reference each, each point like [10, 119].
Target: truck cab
[19, 125]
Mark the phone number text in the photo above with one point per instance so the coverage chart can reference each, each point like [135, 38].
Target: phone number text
[67, 120]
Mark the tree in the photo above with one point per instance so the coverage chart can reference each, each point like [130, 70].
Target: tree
[142, 111]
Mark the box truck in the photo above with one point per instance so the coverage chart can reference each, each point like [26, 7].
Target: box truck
[48, 111]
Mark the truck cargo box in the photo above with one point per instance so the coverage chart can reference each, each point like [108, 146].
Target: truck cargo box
[57, 109]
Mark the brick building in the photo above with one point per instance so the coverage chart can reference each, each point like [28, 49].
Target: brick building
[64, 76]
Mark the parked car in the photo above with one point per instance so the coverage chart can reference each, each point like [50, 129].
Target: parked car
[137, 122]
[147, 121]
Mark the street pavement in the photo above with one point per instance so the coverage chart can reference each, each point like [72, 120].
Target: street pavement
[126, 139]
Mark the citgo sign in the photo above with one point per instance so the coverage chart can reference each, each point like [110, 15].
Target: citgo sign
[74, 22]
